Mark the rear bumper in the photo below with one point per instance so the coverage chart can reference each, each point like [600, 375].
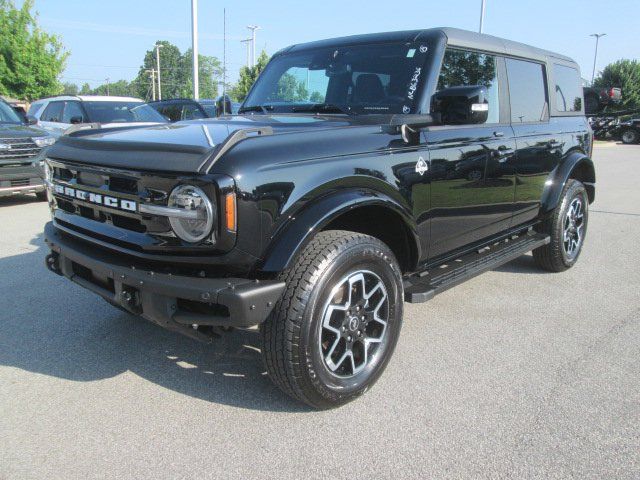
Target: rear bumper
[172, 301]
[20, 179]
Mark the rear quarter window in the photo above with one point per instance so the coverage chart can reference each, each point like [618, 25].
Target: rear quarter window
[568, 89]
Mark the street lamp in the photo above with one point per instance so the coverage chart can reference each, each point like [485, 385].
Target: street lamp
[483, 8]
[253, 29]
[158, 47]
[595, 55]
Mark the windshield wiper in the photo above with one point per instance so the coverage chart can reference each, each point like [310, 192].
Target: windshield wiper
[324, 108]
[256, 108]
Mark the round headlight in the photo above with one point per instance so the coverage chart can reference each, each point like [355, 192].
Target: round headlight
[192, 199]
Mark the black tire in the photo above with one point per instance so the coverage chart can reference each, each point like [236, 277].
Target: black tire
[630, 136]
[42, 196]
[560, 255]
[297, 345]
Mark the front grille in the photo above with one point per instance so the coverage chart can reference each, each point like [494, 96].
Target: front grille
[18, 148]
[21, 182]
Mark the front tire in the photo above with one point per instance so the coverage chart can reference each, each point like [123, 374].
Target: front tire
[332, 334]
[630, 136]
[41, 196]
[567, 227]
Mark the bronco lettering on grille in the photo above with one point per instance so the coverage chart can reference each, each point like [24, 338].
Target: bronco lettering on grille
[97, 198]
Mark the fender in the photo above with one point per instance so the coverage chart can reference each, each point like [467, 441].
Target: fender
[300, 229]
[558, 178]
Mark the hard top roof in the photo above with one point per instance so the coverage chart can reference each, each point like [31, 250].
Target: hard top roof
[455, 37]
[92, 98]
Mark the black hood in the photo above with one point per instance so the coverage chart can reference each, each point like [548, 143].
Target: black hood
[177, 147]
[12, 130]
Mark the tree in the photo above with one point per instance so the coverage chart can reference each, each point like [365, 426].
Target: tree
[626, 75]
[209, 71]
[176, 72]
[30, 59]
[86, 89]
[69, 88]
[248, 76]
[121, 88]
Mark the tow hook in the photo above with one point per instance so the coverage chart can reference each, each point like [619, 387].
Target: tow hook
[51, 261]
[130, 298]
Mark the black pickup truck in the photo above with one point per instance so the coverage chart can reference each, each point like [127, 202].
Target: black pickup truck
[360, 172]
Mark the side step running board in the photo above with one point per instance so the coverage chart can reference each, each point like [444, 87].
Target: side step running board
[424, 285]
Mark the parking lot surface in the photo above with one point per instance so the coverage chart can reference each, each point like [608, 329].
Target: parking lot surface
[517, 373]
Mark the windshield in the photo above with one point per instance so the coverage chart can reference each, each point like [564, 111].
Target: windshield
[8, 114]
[379, 78]
[121, 112]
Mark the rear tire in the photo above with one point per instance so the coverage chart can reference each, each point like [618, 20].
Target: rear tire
[332, 333]
[567, 227]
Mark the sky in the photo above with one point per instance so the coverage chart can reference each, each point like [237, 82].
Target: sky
[108, 38]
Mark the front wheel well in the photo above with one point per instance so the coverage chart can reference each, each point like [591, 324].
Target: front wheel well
[383, 224]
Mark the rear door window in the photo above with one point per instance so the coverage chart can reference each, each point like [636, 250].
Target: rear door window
[527, 91]
[568, 89]
[53, 112]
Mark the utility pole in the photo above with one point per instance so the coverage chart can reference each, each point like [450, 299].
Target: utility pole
[158, 47]
[224, 60]
[248, 42]
[483, 7]
[107, 79]
[152, 72]
[194, 48]
[595, 55]
[253, 29]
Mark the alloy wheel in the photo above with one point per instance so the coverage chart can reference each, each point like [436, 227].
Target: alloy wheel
[573, 231]
[353, 329]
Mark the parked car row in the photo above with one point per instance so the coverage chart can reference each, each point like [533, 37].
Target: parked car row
[24, 134]
[21, 145]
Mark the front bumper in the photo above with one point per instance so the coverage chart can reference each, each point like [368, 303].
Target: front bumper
[20, 179]
[172, 301]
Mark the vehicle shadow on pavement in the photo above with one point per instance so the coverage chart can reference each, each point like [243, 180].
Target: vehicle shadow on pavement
[522, 265]
[53, 327]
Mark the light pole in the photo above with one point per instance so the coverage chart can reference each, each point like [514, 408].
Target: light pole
[483, 7]
[158, 47]
[107, 79]
[595, 55]
[253, 29]
[194, 48]
[248, 42]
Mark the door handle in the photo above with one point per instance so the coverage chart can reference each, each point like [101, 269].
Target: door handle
[498, 134]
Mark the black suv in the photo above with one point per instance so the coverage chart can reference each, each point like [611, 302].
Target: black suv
[20, 148]
[361, 172]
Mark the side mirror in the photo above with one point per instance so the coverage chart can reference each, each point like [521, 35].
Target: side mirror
[461, 105]
[31, 120]
[76, 120]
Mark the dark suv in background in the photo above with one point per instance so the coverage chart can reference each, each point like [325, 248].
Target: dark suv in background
[179, 109]
[20, 148]
[362, 172]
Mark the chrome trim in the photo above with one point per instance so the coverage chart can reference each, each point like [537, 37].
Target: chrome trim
[23, 187]
[170, 212]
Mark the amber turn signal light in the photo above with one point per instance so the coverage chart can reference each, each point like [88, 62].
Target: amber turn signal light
[230, 211]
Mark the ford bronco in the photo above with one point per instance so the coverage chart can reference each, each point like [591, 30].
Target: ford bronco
[360, 173]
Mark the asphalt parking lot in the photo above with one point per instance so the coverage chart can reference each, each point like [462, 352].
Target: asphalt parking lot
[517, 373]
